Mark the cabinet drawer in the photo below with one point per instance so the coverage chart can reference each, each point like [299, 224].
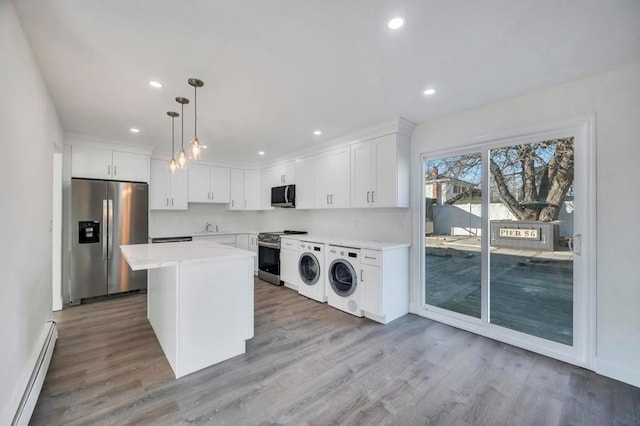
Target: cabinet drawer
[372, 257]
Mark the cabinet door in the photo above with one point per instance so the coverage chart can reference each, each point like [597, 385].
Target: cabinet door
[130, 167]
[159, 186]
[385, 172]
[304, 184]
[253, 246]
[236, 189]
[199, 184]
[220, 184]
[361, 174]
[179, 190]
[372, 285]
[252, 188]
[290, 173]
[266, 182]
[242, 241]
[93, 163]
[289, 266]
[323, 179]
[341, 189]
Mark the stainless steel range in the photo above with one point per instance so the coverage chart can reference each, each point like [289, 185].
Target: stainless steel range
[269, 255]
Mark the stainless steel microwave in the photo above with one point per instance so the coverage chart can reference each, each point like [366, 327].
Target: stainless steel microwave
[283, 196]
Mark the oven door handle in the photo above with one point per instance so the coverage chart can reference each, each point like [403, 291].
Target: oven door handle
[269, 245]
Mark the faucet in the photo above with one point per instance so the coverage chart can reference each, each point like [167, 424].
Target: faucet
[207, 227]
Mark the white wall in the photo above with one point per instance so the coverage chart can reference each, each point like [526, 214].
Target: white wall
[392, 224]
[29, 127]
[615, 98]
[370, 224]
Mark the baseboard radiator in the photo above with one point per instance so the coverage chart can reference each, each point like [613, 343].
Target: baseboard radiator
[34, 386]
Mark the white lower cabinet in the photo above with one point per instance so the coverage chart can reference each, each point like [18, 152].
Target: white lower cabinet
[385, 281]
[253, 246]
[167, 191]
[289, 262]
[242, 241]
[227, 240]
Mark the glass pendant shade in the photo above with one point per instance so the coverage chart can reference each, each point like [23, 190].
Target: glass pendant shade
[182, 155]
[182, 159]
[195, 150]
[172, 165]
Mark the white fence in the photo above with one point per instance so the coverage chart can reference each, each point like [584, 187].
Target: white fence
[464, 219]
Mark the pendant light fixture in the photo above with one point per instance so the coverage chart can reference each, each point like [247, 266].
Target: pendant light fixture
[182, 156]
[195, 148]
[173, 164]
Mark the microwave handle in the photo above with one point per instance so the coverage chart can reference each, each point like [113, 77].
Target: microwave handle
[286, 194]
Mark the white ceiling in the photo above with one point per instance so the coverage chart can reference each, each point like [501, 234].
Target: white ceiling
[276, 70]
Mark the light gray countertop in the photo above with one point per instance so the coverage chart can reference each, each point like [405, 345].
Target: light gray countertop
[346, 242]
[150, 256]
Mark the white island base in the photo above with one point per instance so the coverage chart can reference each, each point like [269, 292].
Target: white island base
[201, 310]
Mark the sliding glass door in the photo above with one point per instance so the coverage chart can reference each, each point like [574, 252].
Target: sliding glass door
[503, 239]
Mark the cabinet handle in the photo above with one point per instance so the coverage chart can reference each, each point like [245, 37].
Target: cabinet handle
[245, 204]
[331, 198]
[115, 170]
[327, 198]
[167, 202]
[368, 194]
[109, 170]
[232, 203]
[362, 275]
[369, 257]
[372, 194]
[171, 201]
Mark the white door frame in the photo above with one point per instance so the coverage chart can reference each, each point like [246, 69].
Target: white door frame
[583, 351]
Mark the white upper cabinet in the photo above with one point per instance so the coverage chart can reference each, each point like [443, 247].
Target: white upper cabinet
[209, 184]
[305, 183]
[332, 179]
[101, 163]
[284, 174]
[245, 190]
[380, 172]
[167, 191]
[266, 182]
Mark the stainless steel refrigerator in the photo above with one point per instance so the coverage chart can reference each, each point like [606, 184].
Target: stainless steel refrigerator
[105, 215]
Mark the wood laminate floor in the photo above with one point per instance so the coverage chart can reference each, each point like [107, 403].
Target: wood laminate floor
[310, 364]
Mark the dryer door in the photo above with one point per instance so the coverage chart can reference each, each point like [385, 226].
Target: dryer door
[343, 277]
[309, 268]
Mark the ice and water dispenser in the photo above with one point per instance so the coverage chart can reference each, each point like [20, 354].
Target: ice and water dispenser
[89, 231]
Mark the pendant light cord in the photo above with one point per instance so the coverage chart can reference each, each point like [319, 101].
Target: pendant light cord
[173, 136]
[195, 112]
[182, 117]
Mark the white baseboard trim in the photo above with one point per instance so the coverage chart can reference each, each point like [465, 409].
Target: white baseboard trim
[34, 385]
[618, 372]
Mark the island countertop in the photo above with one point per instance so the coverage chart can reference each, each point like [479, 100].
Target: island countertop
[151, 256]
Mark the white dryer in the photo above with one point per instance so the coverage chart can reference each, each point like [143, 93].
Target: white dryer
[311, 269]
[344, 288]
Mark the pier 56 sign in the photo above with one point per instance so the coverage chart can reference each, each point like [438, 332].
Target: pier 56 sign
[527, 234]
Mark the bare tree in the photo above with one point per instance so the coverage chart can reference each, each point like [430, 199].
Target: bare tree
[531, 179]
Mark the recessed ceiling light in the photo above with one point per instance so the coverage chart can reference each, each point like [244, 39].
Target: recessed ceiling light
[396, 23]
[429, 92]
[317, 132]
[204, 147]
[155, 84]
[134, 130]
[260, 152]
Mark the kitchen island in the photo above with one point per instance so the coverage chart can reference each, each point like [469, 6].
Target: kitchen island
[199, 300]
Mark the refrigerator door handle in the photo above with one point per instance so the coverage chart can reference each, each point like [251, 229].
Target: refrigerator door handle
[104, 226]
[110, 232]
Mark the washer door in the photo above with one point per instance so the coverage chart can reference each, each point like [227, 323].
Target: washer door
[309, 268]
[342, 277]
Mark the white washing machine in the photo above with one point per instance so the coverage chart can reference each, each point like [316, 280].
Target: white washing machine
[311, 270]
[344, 288]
